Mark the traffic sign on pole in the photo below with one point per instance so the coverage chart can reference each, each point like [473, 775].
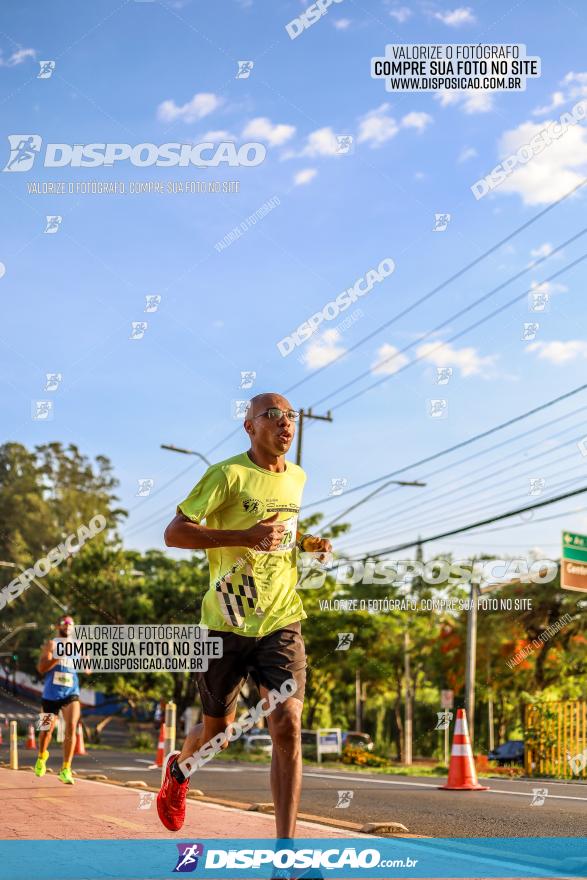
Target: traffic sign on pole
[447, 699]
[574, 562]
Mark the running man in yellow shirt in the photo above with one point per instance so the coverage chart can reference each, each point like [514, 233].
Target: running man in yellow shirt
[250, 504]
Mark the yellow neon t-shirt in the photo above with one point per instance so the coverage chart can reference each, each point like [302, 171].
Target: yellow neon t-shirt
[252, 593]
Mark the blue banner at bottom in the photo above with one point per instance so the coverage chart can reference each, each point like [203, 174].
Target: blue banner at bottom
[504, 857]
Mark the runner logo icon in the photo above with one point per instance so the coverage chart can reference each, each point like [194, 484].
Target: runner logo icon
[23, 151]
[187, 859]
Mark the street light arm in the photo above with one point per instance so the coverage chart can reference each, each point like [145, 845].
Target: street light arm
[18, 629]
[171, 448]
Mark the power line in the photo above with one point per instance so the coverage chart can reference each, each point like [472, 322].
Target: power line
[471, 511]
[441, 496]
[459, 314]
[427, 296]
[477, 455]
[479, 523]
[456, 336]
[439, 287]
[460, 445]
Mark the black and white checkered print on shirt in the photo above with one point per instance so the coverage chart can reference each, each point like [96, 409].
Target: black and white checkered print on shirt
[236, 599]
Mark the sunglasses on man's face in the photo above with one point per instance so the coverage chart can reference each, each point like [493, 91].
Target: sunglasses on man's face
[275, 413]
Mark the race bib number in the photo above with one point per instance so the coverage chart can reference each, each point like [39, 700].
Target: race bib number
[288, 537]
[288, 541]
[63, 679]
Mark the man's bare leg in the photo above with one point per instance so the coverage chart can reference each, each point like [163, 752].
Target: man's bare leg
[174, 788]
[285, 727]
[45, 736]
[71, 715]
[203, 732]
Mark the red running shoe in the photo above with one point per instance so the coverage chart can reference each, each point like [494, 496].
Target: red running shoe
[171, 798]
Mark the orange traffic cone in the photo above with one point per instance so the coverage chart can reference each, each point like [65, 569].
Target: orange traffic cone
[80, 746]
[30, 740]
[160, 746]
[462, 775]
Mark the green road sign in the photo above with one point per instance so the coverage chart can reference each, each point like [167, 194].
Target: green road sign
[574, 562]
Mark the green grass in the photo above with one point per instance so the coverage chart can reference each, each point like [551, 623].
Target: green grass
[390, 770]
[431, 769]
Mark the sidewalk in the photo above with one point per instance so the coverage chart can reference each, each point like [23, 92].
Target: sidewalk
[45, 809]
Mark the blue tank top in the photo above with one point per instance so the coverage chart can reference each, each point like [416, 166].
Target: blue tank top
[61, 681]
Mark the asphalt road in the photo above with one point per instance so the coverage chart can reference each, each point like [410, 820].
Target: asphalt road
[416, 802]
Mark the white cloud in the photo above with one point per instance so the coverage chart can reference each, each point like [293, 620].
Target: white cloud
[202, 104]
[342, 24]
[17, 57]
[323, 350]
[471, 101]
[543, 250]
[416, 120]
[550, 174]
[219, 135]
[557, 100]
[321, 142]
[467, 153]
[392, 360]
[401, 14]
[467, 360]
[549, 287]
[304, 176]
[456, 17]
[377, 127]
[574, 86]
[559, 352]
[265, 130]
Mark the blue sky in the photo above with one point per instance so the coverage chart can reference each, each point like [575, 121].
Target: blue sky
[160, 72]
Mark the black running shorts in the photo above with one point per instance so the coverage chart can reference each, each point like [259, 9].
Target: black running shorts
[53, 706]
[270, 660]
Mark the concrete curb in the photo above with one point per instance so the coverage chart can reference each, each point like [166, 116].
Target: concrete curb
[380, 829]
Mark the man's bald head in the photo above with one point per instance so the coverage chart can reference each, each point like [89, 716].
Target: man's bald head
[270, 437]
[262, 402]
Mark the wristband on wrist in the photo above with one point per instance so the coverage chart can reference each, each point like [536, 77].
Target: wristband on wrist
[300, 544]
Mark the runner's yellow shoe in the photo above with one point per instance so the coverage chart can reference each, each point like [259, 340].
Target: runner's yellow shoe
[65, 776]
[41, 766]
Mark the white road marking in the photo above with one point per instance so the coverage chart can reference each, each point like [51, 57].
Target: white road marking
[525, 794]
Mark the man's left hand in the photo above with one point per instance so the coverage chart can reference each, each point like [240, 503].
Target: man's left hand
[321, 546]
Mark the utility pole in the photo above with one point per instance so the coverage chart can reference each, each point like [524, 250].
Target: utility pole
[490, 707]
[471, 655]
[358, 702]
[409, 707]
[307, 414]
